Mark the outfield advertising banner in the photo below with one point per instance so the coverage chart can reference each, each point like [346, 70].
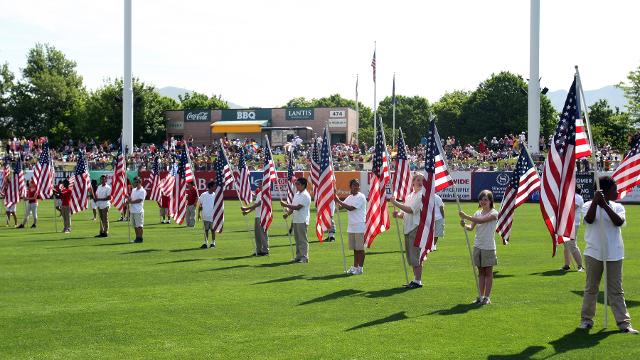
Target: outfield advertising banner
[496, 181]
[462, 181]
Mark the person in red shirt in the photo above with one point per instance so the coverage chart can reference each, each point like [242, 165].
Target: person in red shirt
[31, 206]
[192, 198]
[164, 209]
[65, 196]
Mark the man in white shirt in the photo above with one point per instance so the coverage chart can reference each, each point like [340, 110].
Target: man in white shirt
[103, 202]
[571, 247]
[356, 205]
[136, 201]
[206, 203]
[604, 212]
[300, 210]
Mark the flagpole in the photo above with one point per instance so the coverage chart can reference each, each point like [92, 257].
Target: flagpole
[604, 251]
[337, 208]
[393, 99]
[357, 115]
[124, 153]
[235, 187]
[53, 181]
[455, 191]
[375, 104]
[286, 223]
[293, 255]
[404, 263]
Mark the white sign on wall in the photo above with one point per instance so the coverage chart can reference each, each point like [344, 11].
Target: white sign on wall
[337, 123]
[462, 181]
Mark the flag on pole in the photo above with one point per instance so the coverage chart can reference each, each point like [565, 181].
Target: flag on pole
[43, 174]
[227, 175]
[169, 181]
[178, 204]
[314, 167]
[436, 178]
[243, 181]
[291, 188]
[326, 184]
[4, 180]
[218, 198]
[524, 180]
[373, 65]
[558, 187]
[119, 190]
[377, 214]
[188, 173]
[627, 174]
[15, 186]
[156, 193]
[268, 177]
[402, 178]
[81, 185]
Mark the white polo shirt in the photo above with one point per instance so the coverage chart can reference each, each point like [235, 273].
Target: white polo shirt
[414, 201]
[103, 192]
[579, 205]
[438, 204]
[301, 216]
[207, 200]
[485, 233]
[137, 194]
[358, 216]
[613, 233]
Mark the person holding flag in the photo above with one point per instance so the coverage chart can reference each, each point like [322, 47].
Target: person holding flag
[192, 198]
[261, 237]
[136, 211]
[64, 193]
[206, 205]
[31, 206]
[103, 201]
[15, 188]
[300, 207]
[356, 205]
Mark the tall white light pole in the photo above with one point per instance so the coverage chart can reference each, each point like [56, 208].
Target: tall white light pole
[127, 90]
[534, 79]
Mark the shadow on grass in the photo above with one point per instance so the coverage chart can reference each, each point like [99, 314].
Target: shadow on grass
[143, 251]
[332, 296]
[386, 292]
[382, 253]
[630, 303]
[558, 272]
[238, 257]
[496, 275]
[275, 264]
[225, 268]
[457, 309]
[284, 279]
[47, 240]
[179, 261]
[329, 277]
[64, 247]
[187, 249]
[391, 318]
[113, 244]
[524, 354]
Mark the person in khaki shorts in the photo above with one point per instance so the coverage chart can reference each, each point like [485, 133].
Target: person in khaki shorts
[604, 212]
[136, 211]
[102, 198]
[300, 210]
[206, 204]
[484, 221]
[410, 213]
[356, 205]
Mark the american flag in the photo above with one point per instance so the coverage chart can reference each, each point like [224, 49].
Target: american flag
[226, 169]
[81, 185]
[268, 177]
[402, 178]
[4, 180]
[373, 65]
[377, 214]
[218, 200]
[242, 179]
[188, 173]
[43, 174]
[119, 190]
[627, 174]
[15, 186]
[167, 184]
[291, 189]
[558, 188]
[524, 180]
[436, 178]
[156, 193]
[178, 204]
[326, 184]
[314, 161]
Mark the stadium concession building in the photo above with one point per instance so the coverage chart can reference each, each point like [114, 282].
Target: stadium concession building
[279, 124]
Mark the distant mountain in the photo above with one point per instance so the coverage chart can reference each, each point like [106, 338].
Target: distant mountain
[612, 94]
[173, 92]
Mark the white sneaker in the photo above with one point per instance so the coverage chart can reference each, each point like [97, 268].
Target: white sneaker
[585, 325]
[358, 271]
[630, 330]
[580, 269]
[352, 270]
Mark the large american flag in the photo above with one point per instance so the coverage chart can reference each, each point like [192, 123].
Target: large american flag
[436, 178]
[228, 178]
[15, 186]
[314, 165]
[119, 190]
[178, 204]
[557, 193]
[326, 184]
[188, 173]
[218, 199]
[156, 193]
[291, 179]
[377, 214]
[243, 182]
[268, 177]
[43, 174]
[402, 178]
[373, 65]
[81, 185]
[627, 174]
[524, 180]
[169, 181]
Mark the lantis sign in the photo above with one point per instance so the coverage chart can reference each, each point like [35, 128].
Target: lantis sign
[300, 114]
[197, 115]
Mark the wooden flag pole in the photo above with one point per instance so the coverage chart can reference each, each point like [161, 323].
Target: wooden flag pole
[604, 251]
[336, 207]
[55, 216]
[286, 223]
[235, 187]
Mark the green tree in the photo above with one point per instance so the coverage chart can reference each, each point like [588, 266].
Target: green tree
[448, 112]
[48, 99]
[610, 126]
[632, 93]
[6, 87]
[196, 100]
[412, 115]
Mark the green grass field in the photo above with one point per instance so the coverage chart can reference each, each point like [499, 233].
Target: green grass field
[73, 296]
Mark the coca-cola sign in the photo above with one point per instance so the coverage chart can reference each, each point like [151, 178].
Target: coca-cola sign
[197, 115]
